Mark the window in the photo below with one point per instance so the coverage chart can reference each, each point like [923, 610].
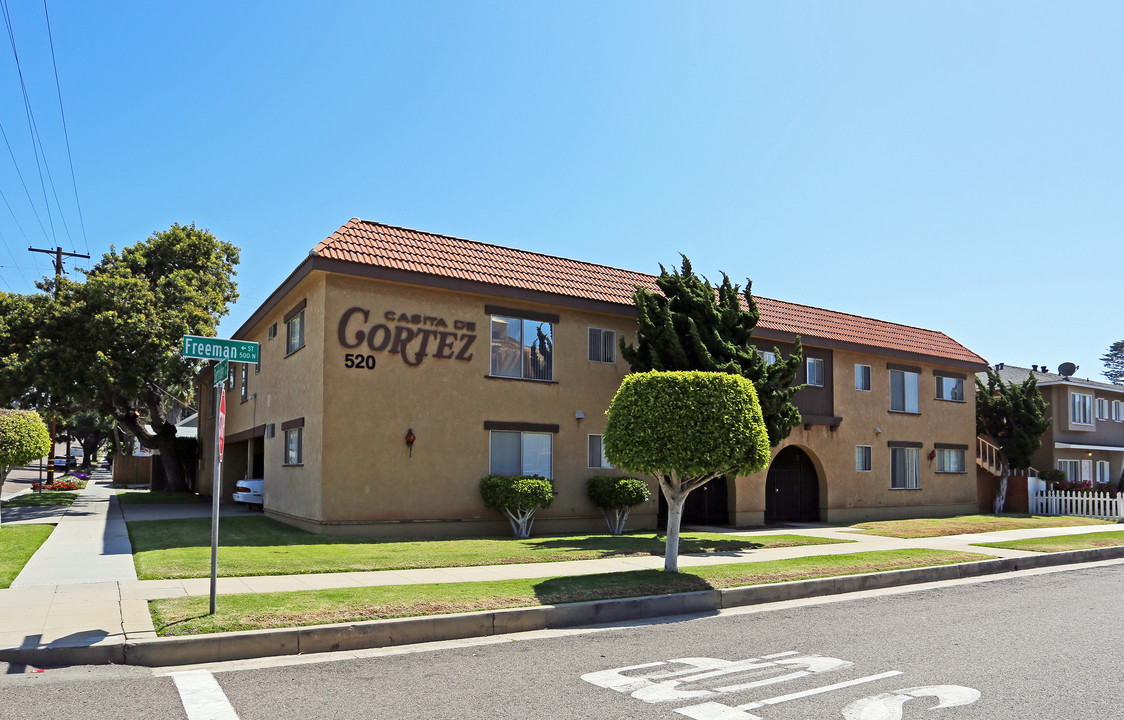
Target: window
[1071, 468]
[1080, 408]
[1102, 472]
[905, 468]
[294, 333]
[230, 379]
[950, 388]
[597, 457]
[520, 453]
[1102, 409]
[245, 394]
[602, 345]
[522, 348]
[214, 399]
[862, 458]
[768, 356]
[815, 372]
[272, 331]
[862, 377]
[294, 439]
[950, 461]
[1118, 411]
[903, 391]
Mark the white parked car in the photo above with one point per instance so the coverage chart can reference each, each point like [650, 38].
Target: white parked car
[250, 492]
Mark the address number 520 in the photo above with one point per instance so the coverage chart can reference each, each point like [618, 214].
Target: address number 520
[359, 360]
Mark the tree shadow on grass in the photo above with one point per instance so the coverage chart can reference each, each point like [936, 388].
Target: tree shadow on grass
[649, 544]
[609, 586]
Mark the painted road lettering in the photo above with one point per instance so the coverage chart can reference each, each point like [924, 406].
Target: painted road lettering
[712, 680]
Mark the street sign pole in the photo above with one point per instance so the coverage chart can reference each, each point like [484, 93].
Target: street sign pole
[216, 489]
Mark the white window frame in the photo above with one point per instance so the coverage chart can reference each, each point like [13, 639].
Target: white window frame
[522, 450]
[864, 458]
[603, 462]
[524, 323]
[815, 371]
[296, 458]
[1071, 468]
[946, 393]
[294, 333]
[1080, 409]
[1117, 411]
[912, 456]
[1103, 465]
[862, 378]
[598, 348]
[768, 356]
[1102, 408]
[951, 460]
[911, 390]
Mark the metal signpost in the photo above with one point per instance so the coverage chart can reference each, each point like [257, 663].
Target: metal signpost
[224, 351]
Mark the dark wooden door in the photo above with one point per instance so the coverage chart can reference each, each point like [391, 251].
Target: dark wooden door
[792, 489]
[707, 505]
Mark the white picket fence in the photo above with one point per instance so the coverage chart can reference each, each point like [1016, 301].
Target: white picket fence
[1076, 502]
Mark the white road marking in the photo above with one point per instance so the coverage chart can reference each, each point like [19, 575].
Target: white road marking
[888, 706]
[202, 697]
[718, 711]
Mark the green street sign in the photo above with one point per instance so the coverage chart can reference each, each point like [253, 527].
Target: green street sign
[222, 372]
[218, 349]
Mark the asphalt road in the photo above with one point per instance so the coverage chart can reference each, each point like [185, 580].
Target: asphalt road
[1034, 645]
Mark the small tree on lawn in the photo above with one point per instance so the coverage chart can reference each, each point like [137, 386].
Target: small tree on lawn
[23, 438]
[615, 497]
[518, 497]
[1014, 416]
[685, 428]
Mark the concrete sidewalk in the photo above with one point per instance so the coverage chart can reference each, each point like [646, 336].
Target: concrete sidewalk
[79, 593]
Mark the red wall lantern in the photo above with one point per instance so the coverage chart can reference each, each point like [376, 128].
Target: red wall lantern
[410, 438]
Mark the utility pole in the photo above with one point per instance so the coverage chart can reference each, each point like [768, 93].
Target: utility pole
[59, 272]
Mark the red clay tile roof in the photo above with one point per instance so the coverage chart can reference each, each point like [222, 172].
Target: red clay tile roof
[371, 243]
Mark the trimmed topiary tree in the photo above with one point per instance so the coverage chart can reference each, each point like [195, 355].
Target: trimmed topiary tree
[615, 497]
[23, 438]
[685, 428]
[518, 497]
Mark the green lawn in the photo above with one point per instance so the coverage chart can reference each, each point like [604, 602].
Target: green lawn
[963, 524]
[254, 611]
[19, 543]
[1062, 543]
[48, 497]
[261, 546]
[157, 497]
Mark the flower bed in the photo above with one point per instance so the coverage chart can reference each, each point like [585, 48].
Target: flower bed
[66, 482]
[1084, 486]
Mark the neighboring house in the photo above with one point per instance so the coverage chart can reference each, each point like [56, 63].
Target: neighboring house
[1086, 435]
[500, 360]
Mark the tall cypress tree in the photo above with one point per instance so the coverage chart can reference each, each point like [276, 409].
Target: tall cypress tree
[694, 326]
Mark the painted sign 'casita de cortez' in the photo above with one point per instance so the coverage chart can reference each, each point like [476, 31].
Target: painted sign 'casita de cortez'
[506, 362]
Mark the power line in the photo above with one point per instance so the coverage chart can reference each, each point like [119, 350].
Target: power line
[9, 249]
[65, 134]
[23, 183]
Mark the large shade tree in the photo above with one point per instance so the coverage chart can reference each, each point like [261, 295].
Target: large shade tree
[112, 343]
[1014, 416]
[685, 428]
[693, 325]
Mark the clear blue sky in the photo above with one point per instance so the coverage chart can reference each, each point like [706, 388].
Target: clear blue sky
[956, 166]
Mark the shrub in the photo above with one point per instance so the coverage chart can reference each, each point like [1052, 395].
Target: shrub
[518, 497]
[1051, 476]
[615, 497]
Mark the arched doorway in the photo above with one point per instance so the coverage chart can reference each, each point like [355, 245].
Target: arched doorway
[708, 505]
[792, 488]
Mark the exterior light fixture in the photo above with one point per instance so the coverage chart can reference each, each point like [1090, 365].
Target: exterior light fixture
[932, 455]
[410, 438]
[579, 415]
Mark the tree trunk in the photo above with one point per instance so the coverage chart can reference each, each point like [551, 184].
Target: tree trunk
[1001, 492]
[675, 503]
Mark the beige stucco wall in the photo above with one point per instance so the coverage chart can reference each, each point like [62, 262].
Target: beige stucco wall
[359, 477]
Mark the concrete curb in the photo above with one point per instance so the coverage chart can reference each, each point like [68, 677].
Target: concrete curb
[218, 647]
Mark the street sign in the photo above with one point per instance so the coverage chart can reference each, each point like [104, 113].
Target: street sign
[219, 349]
[222, 372]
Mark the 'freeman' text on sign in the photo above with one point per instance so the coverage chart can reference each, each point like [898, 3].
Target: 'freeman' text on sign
[219, 349]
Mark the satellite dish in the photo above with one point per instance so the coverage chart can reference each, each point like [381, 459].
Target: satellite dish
[1067, 369]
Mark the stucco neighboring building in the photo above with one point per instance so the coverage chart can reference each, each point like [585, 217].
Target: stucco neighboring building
[1086, 435]
[502, 360]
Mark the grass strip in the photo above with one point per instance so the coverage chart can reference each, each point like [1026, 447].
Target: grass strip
[43, 499]
[255, 611]
[19, 543]
[1062, 543]
[157, 497]
[175, 549]
[964, 524]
